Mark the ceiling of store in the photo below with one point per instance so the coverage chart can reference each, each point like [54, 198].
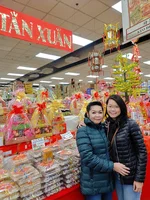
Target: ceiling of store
[85, 19]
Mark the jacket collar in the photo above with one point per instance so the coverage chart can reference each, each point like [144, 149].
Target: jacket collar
[88, 122]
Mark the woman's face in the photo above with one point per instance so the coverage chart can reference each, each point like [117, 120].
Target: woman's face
[95, 114]
[113, 109]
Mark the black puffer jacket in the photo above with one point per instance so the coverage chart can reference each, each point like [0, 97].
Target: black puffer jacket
[128, 148]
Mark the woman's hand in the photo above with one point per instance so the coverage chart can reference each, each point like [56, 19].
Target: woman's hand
[137, 186]
[81, 124]
[121, 169]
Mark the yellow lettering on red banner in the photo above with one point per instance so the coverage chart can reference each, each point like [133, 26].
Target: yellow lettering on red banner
[24, 27]
[67, 41]
[3, 21]
[49, 36]
[14, 24]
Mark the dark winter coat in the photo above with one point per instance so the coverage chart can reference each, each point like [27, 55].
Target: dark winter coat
[96, 168]
[129, 149]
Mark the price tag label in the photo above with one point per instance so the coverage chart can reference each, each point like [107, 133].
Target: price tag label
[67, 136]
[38, 143]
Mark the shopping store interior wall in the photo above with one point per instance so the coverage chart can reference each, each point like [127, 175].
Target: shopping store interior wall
[84, 18]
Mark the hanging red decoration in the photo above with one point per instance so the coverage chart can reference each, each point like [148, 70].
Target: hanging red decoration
[95, 61]
[136, 53]
[135, 57]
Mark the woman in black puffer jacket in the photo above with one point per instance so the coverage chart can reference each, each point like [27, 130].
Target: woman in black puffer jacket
[127, 147]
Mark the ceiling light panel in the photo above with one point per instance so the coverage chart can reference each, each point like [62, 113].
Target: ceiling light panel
[13, 74]
[109, 78]
[45, 81]
[57, 78]
[104, 66]
[81, 41]
[35, 84]
[147, 62]
[147, 75]
[92, 76]
[118, 6]
[9, 79]
[63, 83]
[26, 68]
[47, 56]
[72, 74]
[129, 56]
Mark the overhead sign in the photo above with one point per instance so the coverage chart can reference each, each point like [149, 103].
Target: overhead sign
[24, 27]
[135, 19]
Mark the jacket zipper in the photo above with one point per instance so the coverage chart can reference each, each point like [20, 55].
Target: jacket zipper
[121, 180]
[106, 144]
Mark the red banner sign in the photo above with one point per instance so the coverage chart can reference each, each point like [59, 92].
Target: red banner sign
[21, 26]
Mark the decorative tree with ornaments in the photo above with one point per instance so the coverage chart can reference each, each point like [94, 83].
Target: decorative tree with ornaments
[127, 77]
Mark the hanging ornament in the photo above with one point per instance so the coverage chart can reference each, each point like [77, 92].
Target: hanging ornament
[136, 53]
[111, 37]
[135, 58]
[95, 61]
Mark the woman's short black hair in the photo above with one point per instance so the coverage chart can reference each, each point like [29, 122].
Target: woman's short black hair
[93, 103]
[120, 102]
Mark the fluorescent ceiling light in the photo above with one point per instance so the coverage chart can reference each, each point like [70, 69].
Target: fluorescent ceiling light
[9, 79]
[92, 76]
[3, 82]
[129, 56]
[147, 62]
[35, 84]
[63, 83]
[47, 56]
[45, 81]
[90, 81]
[80, 80]
[52, 85]
[109, 78]
[104, 66]
[57, 78]
[81, 41]
[72, 74]
[13, 74]
[118, 6]
[148, 75]
[27, 68]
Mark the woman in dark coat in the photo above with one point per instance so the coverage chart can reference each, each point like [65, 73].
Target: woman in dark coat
[96, 167]
[127, 147]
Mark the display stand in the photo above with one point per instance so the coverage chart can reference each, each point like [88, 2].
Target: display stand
[25, 146]
[74, 193]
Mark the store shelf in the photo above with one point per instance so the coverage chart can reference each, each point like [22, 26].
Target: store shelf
[72, 193]
[25, 146]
